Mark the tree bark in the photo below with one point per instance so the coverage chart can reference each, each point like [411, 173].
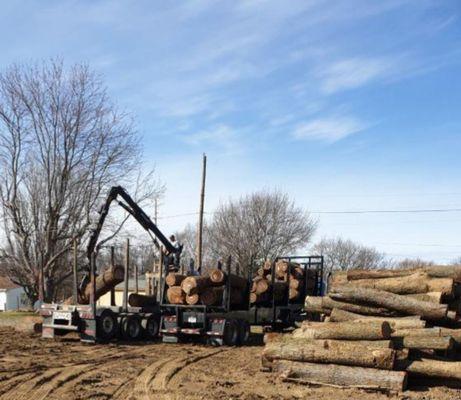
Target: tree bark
[338, 315]
[325, 304]
[173, 279]
[175, 295]
[454, 333]
[140, 300]
[341, 375]
[426, 332]
[416, 283]
[433, 297]
[343, 353]
[391, 301]
[370, 330]
[356, 274]
[443, 285]
[436, 369]
[445, 271]
[104, 283]
[445, 343]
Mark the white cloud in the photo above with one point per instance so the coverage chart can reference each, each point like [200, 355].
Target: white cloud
[329, 129]
[354, 72]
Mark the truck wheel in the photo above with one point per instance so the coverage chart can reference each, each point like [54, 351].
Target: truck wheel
[106, 325]
[231, 333]
[244, 332]
[151, 326]
[130, 327]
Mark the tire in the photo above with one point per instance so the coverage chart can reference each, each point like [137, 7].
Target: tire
[151, 327]
[130, 327]
[231, 333]
[244, 332]
[106, 326]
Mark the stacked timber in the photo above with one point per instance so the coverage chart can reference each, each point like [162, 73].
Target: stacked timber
[288, 280]
[205, 289]
[336, 354]
[415, 313]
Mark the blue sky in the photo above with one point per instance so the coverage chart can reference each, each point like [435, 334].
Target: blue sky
[345, 105]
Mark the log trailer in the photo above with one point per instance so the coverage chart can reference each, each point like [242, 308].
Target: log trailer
[229, 324]
[223, 324]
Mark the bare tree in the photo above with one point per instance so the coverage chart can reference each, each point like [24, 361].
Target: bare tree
[62, 144]
[188, 238]
[409, 263]
[341, 254]
[261, 225]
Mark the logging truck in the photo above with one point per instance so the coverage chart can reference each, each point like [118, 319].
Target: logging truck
[222, 321]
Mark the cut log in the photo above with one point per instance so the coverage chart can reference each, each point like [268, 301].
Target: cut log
[356, 274]
[435, 369]
[192, 299]
[175, 295]
[444, 343]
[337, 278]
[106, 281]
[293, 294]
[416, 283]
[213, 296]
[370, 330]
[219, 277]
[426, 332]
[325, 304]
[282, 337]
[338, 315]
[283, 267]
[141, 300]
[195, 284]
[341, 375]
[392, 301]
[445, 271]
[433, 297]
[267, 266]
[454, 333]
[443, 285]
[173, 279]
[343, 353]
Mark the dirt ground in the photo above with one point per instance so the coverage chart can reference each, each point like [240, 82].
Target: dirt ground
[35, 368]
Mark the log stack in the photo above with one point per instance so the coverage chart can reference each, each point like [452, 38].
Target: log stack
[289, 281]
[206, 289]
[379, 327]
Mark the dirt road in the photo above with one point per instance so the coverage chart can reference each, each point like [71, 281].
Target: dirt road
[32, 368]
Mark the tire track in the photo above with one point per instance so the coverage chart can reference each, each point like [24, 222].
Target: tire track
[153, 381]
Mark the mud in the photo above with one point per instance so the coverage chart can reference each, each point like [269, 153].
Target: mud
[35, 368]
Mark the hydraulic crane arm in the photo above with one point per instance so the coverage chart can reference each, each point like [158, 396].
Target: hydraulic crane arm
[136, 211]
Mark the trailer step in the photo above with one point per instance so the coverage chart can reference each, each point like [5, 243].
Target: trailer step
[63, 327]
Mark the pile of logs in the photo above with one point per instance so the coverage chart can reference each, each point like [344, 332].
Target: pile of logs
[206, 289]
[289, 280]
[378, 328]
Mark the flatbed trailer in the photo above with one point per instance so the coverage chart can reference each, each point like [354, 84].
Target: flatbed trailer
[226, 324]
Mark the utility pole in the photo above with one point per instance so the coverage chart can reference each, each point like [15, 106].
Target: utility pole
[200, 220]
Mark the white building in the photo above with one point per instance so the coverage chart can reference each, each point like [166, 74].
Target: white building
[12, 296]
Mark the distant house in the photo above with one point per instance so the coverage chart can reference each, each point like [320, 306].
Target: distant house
[12, 296]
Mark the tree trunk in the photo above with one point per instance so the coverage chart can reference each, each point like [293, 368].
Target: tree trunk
[195, 284]
[338, 315]
[173, 279]
[416, 283]
[370, 330]
[433, 297]
[445, 343]
[325, 304]
[356, 274]
[391, 301]
[445, 271]
[443, 285]
[435, 369]
[343, 353]
[104, 283]
[218, 277]
[426, 332]
[140, 300]
[341, 375]
[271, 337]
[175, 295]
[454, 333]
